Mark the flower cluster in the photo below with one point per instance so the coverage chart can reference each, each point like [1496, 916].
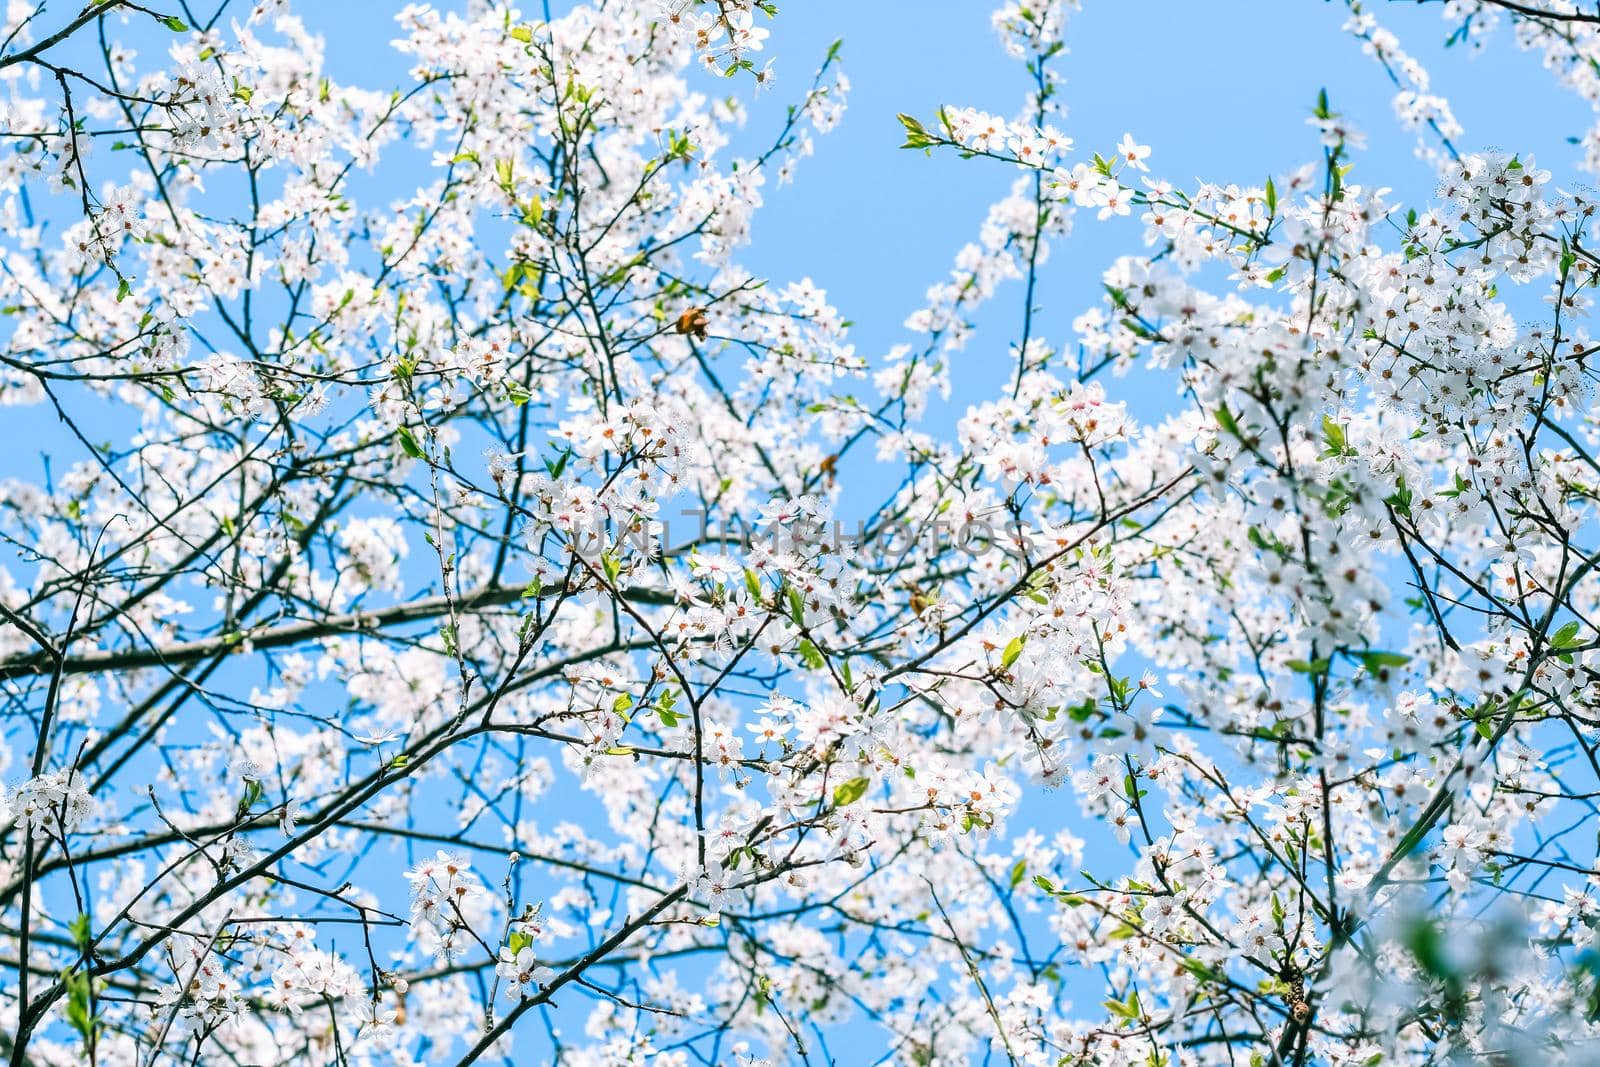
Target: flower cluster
[50, 805]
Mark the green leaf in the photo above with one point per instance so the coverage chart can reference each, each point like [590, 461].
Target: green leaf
[1129, 1009]
[1375, 661]
[849, 792]
[1334, 437]
[80, 1015]
[80, 931]
[522, 33]
[175, 24]
[1017, 873]
[916, 135]
[1565, 637]
[1013, 650]
[252, 795]
[409, 445]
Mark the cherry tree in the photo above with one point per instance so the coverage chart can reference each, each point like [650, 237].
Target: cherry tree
[490, 624]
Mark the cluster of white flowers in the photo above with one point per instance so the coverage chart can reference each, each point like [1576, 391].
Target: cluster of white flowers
[200, 106]
[204, 995]
[447, 901]
[724, 32]
[1415, 105]
[51, 805]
